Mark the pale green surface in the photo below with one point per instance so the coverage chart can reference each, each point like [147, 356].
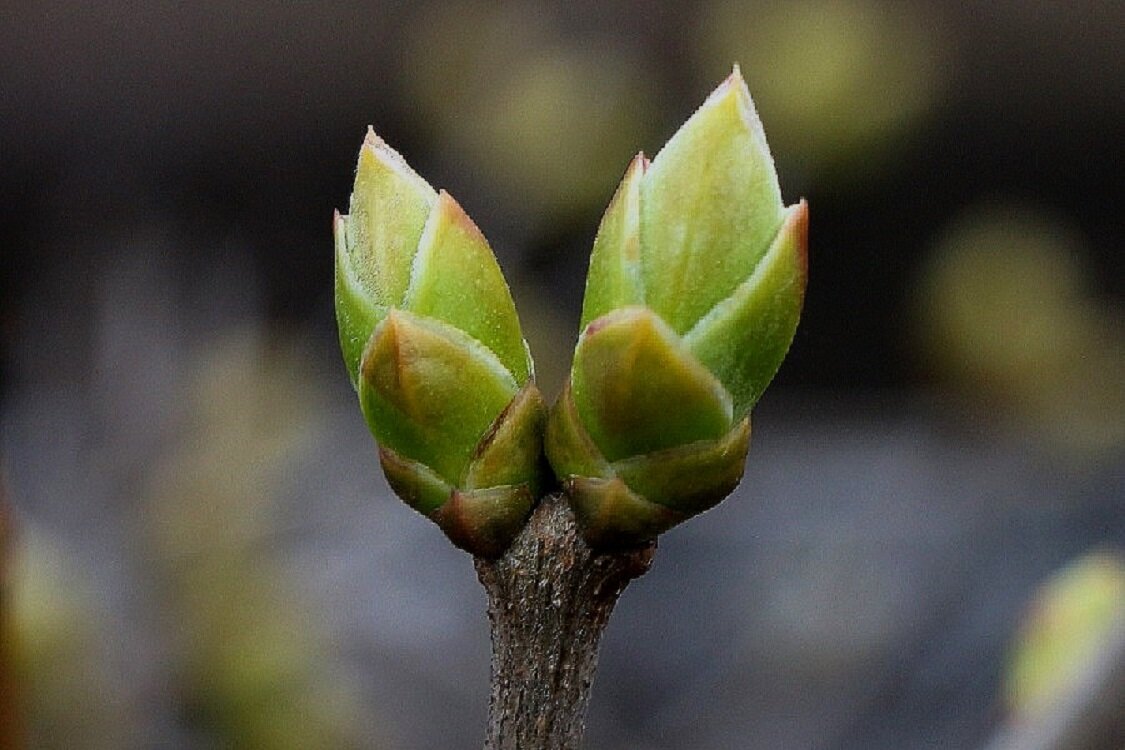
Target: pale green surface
[456, 280]
[356, 314]
[689, 478]
[512, 452]
[388, 210]
[568, 446]
[414, 482]
[710, 205]
[638, 390]
[615, 263]
[405, 246]
[375, 244]
[744, 338]
[430, 392]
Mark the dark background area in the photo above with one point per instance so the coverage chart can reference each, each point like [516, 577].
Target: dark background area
[236, 123]
[947, 430]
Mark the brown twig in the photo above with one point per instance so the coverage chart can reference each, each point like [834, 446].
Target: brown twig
[550, 597]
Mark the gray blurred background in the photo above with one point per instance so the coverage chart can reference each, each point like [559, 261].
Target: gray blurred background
[202, 552]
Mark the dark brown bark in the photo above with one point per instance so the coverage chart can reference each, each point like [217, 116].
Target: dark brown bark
[549, 599]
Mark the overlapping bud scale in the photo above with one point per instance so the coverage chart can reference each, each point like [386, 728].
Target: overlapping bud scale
[433, 346]
[695, 288]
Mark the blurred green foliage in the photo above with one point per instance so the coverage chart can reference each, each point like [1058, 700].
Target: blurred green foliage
[841, 84]
[61, 675]
[253, 660]
[1009, 315]
[548, 119]
[1071, 621]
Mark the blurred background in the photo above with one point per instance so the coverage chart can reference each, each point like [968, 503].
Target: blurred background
[198, 548]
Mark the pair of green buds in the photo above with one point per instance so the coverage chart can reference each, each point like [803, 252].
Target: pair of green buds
[695, 288]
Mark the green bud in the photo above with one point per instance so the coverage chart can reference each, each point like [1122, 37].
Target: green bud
[433, 346]
[695, 288]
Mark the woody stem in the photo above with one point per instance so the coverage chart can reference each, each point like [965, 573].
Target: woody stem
[549, 599]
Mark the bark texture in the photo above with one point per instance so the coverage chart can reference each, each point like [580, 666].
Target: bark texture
[549, 599]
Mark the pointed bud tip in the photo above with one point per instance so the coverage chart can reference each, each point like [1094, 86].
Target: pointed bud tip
[451, 211]
[372, 146]
[376, 151]
[729, 102]
[735, 77]
[387, 341]
[734, 91]
[640, 163]
[733, 84]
